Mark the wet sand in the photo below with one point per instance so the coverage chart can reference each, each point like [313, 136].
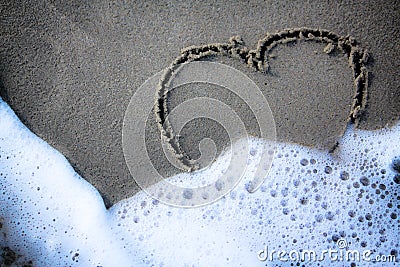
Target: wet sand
[70, 69]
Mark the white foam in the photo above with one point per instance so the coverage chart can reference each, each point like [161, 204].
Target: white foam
[298, 201]
[49, 213]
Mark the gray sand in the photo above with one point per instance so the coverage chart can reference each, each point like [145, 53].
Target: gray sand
[70, 69]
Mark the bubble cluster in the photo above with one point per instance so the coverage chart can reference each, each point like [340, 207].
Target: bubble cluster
[311, 199]
[49, 216]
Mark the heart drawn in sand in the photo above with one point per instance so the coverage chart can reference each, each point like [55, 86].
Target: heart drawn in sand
[234, 81]
[258, 59]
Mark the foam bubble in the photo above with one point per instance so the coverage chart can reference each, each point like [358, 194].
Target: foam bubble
[310, 200]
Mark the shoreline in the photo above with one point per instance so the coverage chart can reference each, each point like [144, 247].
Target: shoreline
[70, 76]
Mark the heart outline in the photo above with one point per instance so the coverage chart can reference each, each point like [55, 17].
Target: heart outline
[258, 60]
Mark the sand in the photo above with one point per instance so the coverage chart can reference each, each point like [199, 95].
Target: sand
[70, 69]
[259, 60]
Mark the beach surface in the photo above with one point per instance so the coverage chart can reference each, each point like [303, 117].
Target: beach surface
[69, 70]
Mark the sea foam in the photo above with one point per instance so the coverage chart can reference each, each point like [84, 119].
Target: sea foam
[49, 214]
[310, 200]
